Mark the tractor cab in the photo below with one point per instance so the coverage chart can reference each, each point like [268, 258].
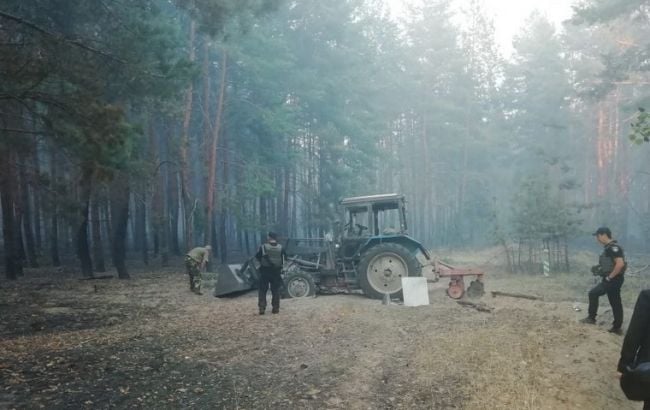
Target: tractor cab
[372, 216]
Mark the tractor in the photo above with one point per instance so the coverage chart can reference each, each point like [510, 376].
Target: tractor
[369, 252]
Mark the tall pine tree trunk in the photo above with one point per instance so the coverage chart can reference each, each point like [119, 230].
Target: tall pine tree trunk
[83, 249]
[54, 208]
[36, 189]
[186, 187]
[173, 204]
[263, 219]
[223, 237]
[98, 248]
[212, 153]
[13, 267]
[120, 217]
[27, 214]
[141, 225]
[207, 128]
[284, 216]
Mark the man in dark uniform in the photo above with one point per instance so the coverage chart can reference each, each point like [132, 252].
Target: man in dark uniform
[611, 267]
[271, 257]
[636, 345]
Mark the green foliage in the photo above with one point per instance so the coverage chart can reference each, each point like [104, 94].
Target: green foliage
[540, 213]
[606, 10]
[641, 127]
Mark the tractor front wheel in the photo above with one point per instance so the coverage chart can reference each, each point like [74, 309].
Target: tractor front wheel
[299, 285]
[382, 268]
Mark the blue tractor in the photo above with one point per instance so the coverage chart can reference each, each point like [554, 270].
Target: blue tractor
[369, 252]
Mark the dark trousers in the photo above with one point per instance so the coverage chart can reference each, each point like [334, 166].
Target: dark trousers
[646, 405]
[613, 291]
[273, 278]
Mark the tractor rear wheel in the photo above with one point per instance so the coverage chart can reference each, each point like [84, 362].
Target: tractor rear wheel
[382, 267]
[299, 285]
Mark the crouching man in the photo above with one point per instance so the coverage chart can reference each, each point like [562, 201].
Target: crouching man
[195, 262]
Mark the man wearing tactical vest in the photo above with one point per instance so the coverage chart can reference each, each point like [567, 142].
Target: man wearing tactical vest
[611, 267]
[271, 257]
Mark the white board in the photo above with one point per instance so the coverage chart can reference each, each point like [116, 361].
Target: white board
[416, 291]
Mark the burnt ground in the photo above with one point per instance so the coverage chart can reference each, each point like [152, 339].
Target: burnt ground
[150, 343]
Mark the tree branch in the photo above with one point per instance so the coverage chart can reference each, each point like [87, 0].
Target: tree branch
[58, 37]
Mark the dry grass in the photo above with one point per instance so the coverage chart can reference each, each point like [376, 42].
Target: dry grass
[344, 352]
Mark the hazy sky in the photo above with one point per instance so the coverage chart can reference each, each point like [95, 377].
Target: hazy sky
[509, 15]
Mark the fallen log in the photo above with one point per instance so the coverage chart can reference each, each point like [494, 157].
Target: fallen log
[515, 295]
[481, 307]
[98, 277]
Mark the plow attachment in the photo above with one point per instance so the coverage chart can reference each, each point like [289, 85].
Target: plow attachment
[456, 277]
[234, 279]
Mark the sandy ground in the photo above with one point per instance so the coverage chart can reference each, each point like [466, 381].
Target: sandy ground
[150, 343]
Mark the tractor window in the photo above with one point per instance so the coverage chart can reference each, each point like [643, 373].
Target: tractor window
[357, 223]
[387, 220]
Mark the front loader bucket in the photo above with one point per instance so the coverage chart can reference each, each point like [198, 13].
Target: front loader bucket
[232, 279]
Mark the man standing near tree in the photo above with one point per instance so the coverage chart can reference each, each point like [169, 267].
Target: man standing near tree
[611, 267]
[195, 262]
[271, 257]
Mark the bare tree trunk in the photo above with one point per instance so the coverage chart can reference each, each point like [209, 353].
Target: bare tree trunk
[120, 217]
[36, 189]
[263, 220]
[284, 217]
[108, 222]
[165, 236]
[212, 170]
[13, 267]
[54, 209]
[223, 237]
[247, 242]
[566, 255]
[141, 225]
[173, 204]
[294, 204]
[98, 248]
[27, 214]
[156, 186]
[207, 125]
[83, 250]
[186, 187]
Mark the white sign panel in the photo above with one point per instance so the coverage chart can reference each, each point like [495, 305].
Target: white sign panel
[416, 291]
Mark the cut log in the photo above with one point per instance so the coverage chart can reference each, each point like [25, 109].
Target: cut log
[515, 295]
[481, 307]
[98, 277]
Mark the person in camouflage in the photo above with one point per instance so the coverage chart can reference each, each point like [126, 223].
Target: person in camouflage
[195, 262]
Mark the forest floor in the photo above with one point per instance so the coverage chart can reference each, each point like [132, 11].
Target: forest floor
[150, 343]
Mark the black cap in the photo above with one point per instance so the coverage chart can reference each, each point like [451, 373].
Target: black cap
[603, 230]
[273, 235]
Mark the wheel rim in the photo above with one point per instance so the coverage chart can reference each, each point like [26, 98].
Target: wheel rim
[385, 272]
[298, 287]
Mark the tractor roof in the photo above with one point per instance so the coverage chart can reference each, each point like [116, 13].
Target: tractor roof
[372, 199]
